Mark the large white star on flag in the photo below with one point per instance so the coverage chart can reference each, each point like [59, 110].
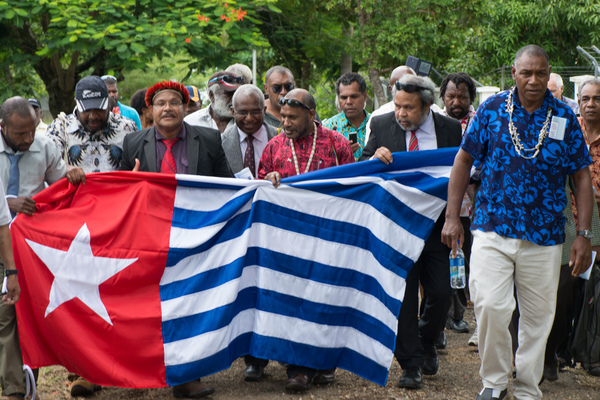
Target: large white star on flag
[78, 273]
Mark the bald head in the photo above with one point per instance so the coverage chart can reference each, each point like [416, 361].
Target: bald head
[398, 73]
[303, 96]
[298, 119]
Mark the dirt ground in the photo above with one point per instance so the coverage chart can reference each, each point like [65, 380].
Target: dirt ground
[457, 379]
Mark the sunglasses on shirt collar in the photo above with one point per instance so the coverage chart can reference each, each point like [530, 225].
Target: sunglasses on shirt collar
[227, 79]
[277, 88]
[409, 87]
[293, 103]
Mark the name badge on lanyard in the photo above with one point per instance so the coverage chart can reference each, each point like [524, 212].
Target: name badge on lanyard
[557, 128]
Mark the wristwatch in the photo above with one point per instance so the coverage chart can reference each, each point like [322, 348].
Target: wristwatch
[586, 234]
[8, 272]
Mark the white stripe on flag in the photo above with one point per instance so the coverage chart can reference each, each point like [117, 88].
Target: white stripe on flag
[274, 325]
[362, 215]
[280, 282]
[330, 253]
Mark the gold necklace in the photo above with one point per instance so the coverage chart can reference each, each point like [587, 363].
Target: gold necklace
[312, 153]
[515, 135]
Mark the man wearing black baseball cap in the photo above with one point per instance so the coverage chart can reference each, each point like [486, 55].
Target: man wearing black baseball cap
[40, 128]
[92, 136]
[221, 87]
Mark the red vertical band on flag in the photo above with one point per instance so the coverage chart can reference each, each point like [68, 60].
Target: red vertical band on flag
[119, 346]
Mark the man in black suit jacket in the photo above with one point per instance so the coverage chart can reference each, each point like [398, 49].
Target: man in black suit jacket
[172, 146]
[195, 151]
[413, 126]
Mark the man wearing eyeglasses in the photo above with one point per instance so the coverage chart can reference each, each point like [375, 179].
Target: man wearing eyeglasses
[278, 82]
[92, 136]
[245, 141]
[171, 145]
[413, 126]
[303, 146]
[221, 87]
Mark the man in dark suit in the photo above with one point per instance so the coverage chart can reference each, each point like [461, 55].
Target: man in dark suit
[413, 126]
[245, 141]
[172, 146]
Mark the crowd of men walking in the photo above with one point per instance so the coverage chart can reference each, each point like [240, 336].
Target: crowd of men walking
[527, 147]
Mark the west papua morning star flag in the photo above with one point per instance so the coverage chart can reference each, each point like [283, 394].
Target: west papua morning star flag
[146, 280]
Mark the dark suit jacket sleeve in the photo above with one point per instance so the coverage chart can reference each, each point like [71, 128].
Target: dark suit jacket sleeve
[372, 145]
[219, 163]
[448, 131]
[128, 156]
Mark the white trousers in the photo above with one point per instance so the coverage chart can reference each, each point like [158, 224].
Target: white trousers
[498, 265]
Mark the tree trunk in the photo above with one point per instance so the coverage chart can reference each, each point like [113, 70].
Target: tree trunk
[346, 61]
[306, 70]
[377, 87]
[60, 83]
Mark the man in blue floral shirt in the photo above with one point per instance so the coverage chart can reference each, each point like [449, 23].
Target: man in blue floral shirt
[527, 143]
[351, 90]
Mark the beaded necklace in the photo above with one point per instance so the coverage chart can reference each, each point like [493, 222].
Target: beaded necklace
[515, 135]
[312, 153]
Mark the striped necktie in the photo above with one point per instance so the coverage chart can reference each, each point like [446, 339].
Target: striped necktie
[413, 143]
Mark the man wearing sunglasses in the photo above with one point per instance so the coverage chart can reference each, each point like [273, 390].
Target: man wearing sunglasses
[351, 90]
[221, 87]
[278, 82]
[303, 146]
[411, 127]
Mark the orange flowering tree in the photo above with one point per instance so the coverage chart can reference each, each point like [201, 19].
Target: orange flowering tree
[64, 40]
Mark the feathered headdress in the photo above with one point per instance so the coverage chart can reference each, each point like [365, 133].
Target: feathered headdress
[167, 85]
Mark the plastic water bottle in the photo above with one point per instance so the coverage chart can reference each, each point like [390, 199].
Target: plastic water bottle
[457, 270]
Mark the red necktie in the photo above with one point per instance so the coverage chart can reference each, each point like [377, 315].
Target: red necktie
[413, 143]
[168, 165]
[249, 155]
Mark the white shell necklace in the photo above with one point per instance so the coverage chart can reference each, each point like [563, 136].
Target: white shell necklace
[519, 147]
[312, 153]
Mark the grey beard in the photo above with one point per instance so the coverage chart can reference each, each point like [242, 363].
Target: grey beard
[221, 109]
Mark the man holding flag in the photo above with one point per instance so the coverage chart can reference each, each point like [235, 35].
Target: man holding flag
[413, 126]
[27, 163]
[303, 146]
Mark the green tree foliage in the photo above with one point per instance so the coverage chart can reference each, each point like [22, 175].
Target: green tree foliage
[66, 39]
[559, 26]
[387, 32]
[305, 36]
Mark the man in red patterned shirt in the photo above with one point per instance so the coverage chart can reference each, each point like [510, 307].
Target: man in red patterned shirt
[303, 146]
[297, 149]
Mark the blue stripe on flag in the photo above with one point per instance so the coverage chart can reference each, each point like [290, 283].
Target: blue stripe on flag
[281, 304]
[191, 219]
[284, 263]
[326, 229]
[402, 161]
[270, 348]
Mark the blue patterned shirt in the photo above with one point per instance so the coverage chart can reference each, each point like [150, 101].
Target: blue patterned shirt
[520, 198]
[340, 123]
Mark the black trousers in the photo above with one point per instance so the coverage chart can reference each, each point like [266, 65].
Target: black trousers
[432, 269]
